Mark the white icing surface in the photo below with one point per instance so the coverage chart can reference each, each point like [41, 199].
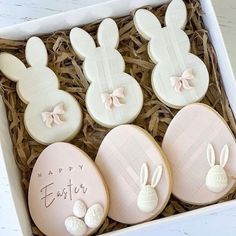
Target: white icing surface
[38, 86]
[104, 68]
[169, 48]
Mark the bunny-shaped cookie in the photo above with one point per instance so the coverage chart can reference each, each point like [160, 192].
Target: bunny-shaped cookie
[217, 179]
[51, 114]
[114, 97]
[179, 78]
[147, 199]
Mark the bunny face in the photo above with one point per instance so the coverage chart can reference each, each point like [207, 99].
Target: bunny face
[179, 78]
[217, 179]
[95, 60]
[36, 81]
[155, 46]
[147, 199]
[113, 97]
[51, 114]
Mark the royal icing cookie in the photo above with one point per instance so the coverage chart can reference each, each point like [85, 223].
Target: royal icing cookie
[179, 78]
[201, 150]
[51, 114]
[114, 97]
[136, 173]
[67, 195]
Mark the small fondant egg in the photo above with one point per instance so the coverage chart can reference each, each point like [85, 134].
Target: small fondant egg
[216, 179]
[130, 160]
[94, 216]
[63, 183]
[147, 199]
[79, 209]
[75, 226]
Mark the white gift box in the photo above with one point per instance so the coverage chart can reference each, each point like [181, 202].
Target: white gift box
[14, 219]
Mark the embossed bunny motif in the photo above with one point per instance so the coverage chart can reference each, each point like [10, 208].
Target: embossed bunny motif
[114, 97]
[217, 179]
[147, 199]
[179, 78]
[51, 114]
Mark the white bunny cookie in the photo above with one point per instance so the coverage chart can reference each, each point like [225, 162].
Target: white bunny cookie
[179, 78]
[51, 114]
[113, 97]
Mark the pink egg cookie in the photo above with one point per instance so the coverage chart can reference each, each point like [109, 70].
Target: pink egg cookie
[201, 150]
[67, 195]
[136, 172]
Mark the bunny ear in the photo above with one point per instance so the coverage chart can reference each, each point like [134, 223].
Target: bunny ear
[156, 176]
[144, 174]
[224, 156]
[211, 155]
[11, 66]
[108, 33]
[146, 23]
[36, 52]
[176, 14]
[82, 42]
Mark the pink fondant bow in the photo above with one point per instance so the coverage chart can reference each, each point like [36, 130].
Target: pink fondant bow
[113, 99]
[183, 81]
[51, 117]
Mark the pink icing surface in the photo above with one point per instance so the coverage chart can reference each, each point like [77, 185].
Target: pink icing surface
[62, 166]
[185, 144]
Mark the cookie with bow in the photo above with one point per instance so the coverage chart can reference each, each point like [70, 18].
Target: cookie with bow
[113, 97]
[51, 114]
[179, 77]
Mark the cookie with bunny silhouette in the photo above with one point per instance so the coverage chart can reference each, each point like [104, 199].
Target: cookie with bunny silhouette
[179, 77]
[51, 114]
[113, 97]
[136, 172]
[200, 148]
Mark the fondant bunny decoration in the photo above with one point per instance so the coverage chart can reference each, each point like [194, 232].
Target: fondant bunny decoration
[114, 97]
[51, 114]
[217, 179]
[179, 78]
[147, 199]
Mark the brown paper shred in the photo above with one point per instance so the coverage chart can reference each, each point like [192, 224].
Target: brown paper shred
[154, 117]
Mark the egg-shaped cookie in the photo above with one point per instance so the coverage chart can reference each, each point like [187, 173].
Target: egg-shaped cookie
[201, 150]
[64, 185]
[136, 172]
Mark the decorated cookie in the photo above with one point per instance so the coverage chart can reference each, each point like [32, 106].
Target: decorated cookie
[179, 78]
[67, 195]
[114, 97]
[201, 150]
[136, 173]
[51, 114]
